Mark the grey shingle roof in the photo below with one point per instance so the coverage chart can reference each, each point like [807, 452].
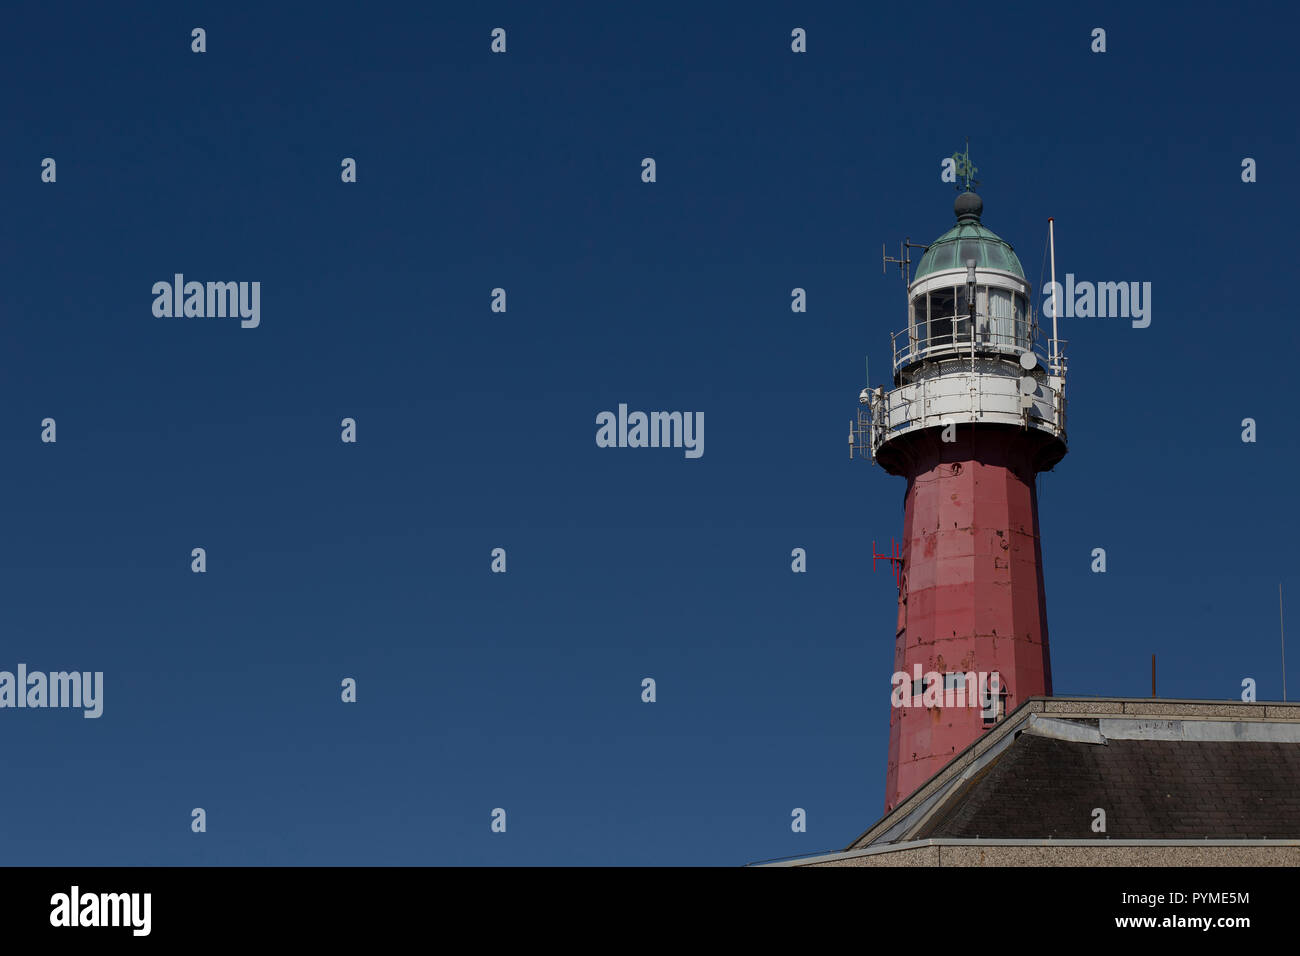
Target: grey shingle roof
[1149, 789]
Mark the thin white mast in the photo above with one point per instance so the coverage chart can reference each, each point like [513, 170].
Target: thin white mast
[1051, 239]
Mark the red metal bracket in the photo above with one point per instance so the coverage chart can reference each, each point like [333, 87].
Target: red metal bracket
[895, 559]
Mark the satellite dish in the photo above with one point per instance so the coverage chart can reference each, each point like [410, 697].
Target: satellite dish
[1028, 385]
[1028, 361]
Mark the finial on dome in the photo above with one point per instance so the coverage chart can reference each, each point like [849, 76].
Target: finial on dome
[968, 207]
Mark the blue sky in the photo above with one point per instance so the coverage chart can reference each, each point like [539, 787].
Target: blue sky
[476, 429]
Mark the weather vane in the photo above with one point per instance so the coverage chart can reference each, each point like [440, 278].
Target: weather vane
[965, 169]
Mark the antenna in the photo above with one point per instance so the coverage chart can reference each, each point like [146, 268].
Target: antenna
[1281, 631]
[1051, 239]
[904, 259]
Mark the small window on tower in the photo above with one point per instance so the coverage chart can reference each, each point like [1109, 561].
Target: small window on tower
[999, 709]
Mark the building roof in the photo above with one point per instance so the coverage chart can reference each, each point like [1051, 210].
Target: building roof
[1171, 776]
[1148, 789]
[969, 239]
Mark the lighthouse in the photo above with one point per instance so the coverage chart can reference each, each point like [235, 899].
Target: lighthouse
[975, 410]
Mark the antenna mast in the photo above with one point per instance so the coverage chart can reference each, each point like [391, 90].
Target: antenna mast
[1051, 240]
[1281, 631]
[904, 259]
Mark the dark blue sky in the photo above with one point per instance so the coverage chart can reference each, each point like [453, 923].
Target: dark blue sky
[476, 429]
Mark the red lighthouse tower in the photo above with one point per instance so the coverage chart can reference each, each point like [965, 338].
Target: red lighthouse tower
[976, 410]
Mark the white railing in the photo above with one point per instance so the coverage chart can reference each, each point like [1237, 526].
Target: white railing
[1012, 336]
[938, 401]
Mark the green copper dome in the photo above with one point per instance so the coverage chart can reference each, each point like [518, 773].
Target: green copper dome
[969, 239]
